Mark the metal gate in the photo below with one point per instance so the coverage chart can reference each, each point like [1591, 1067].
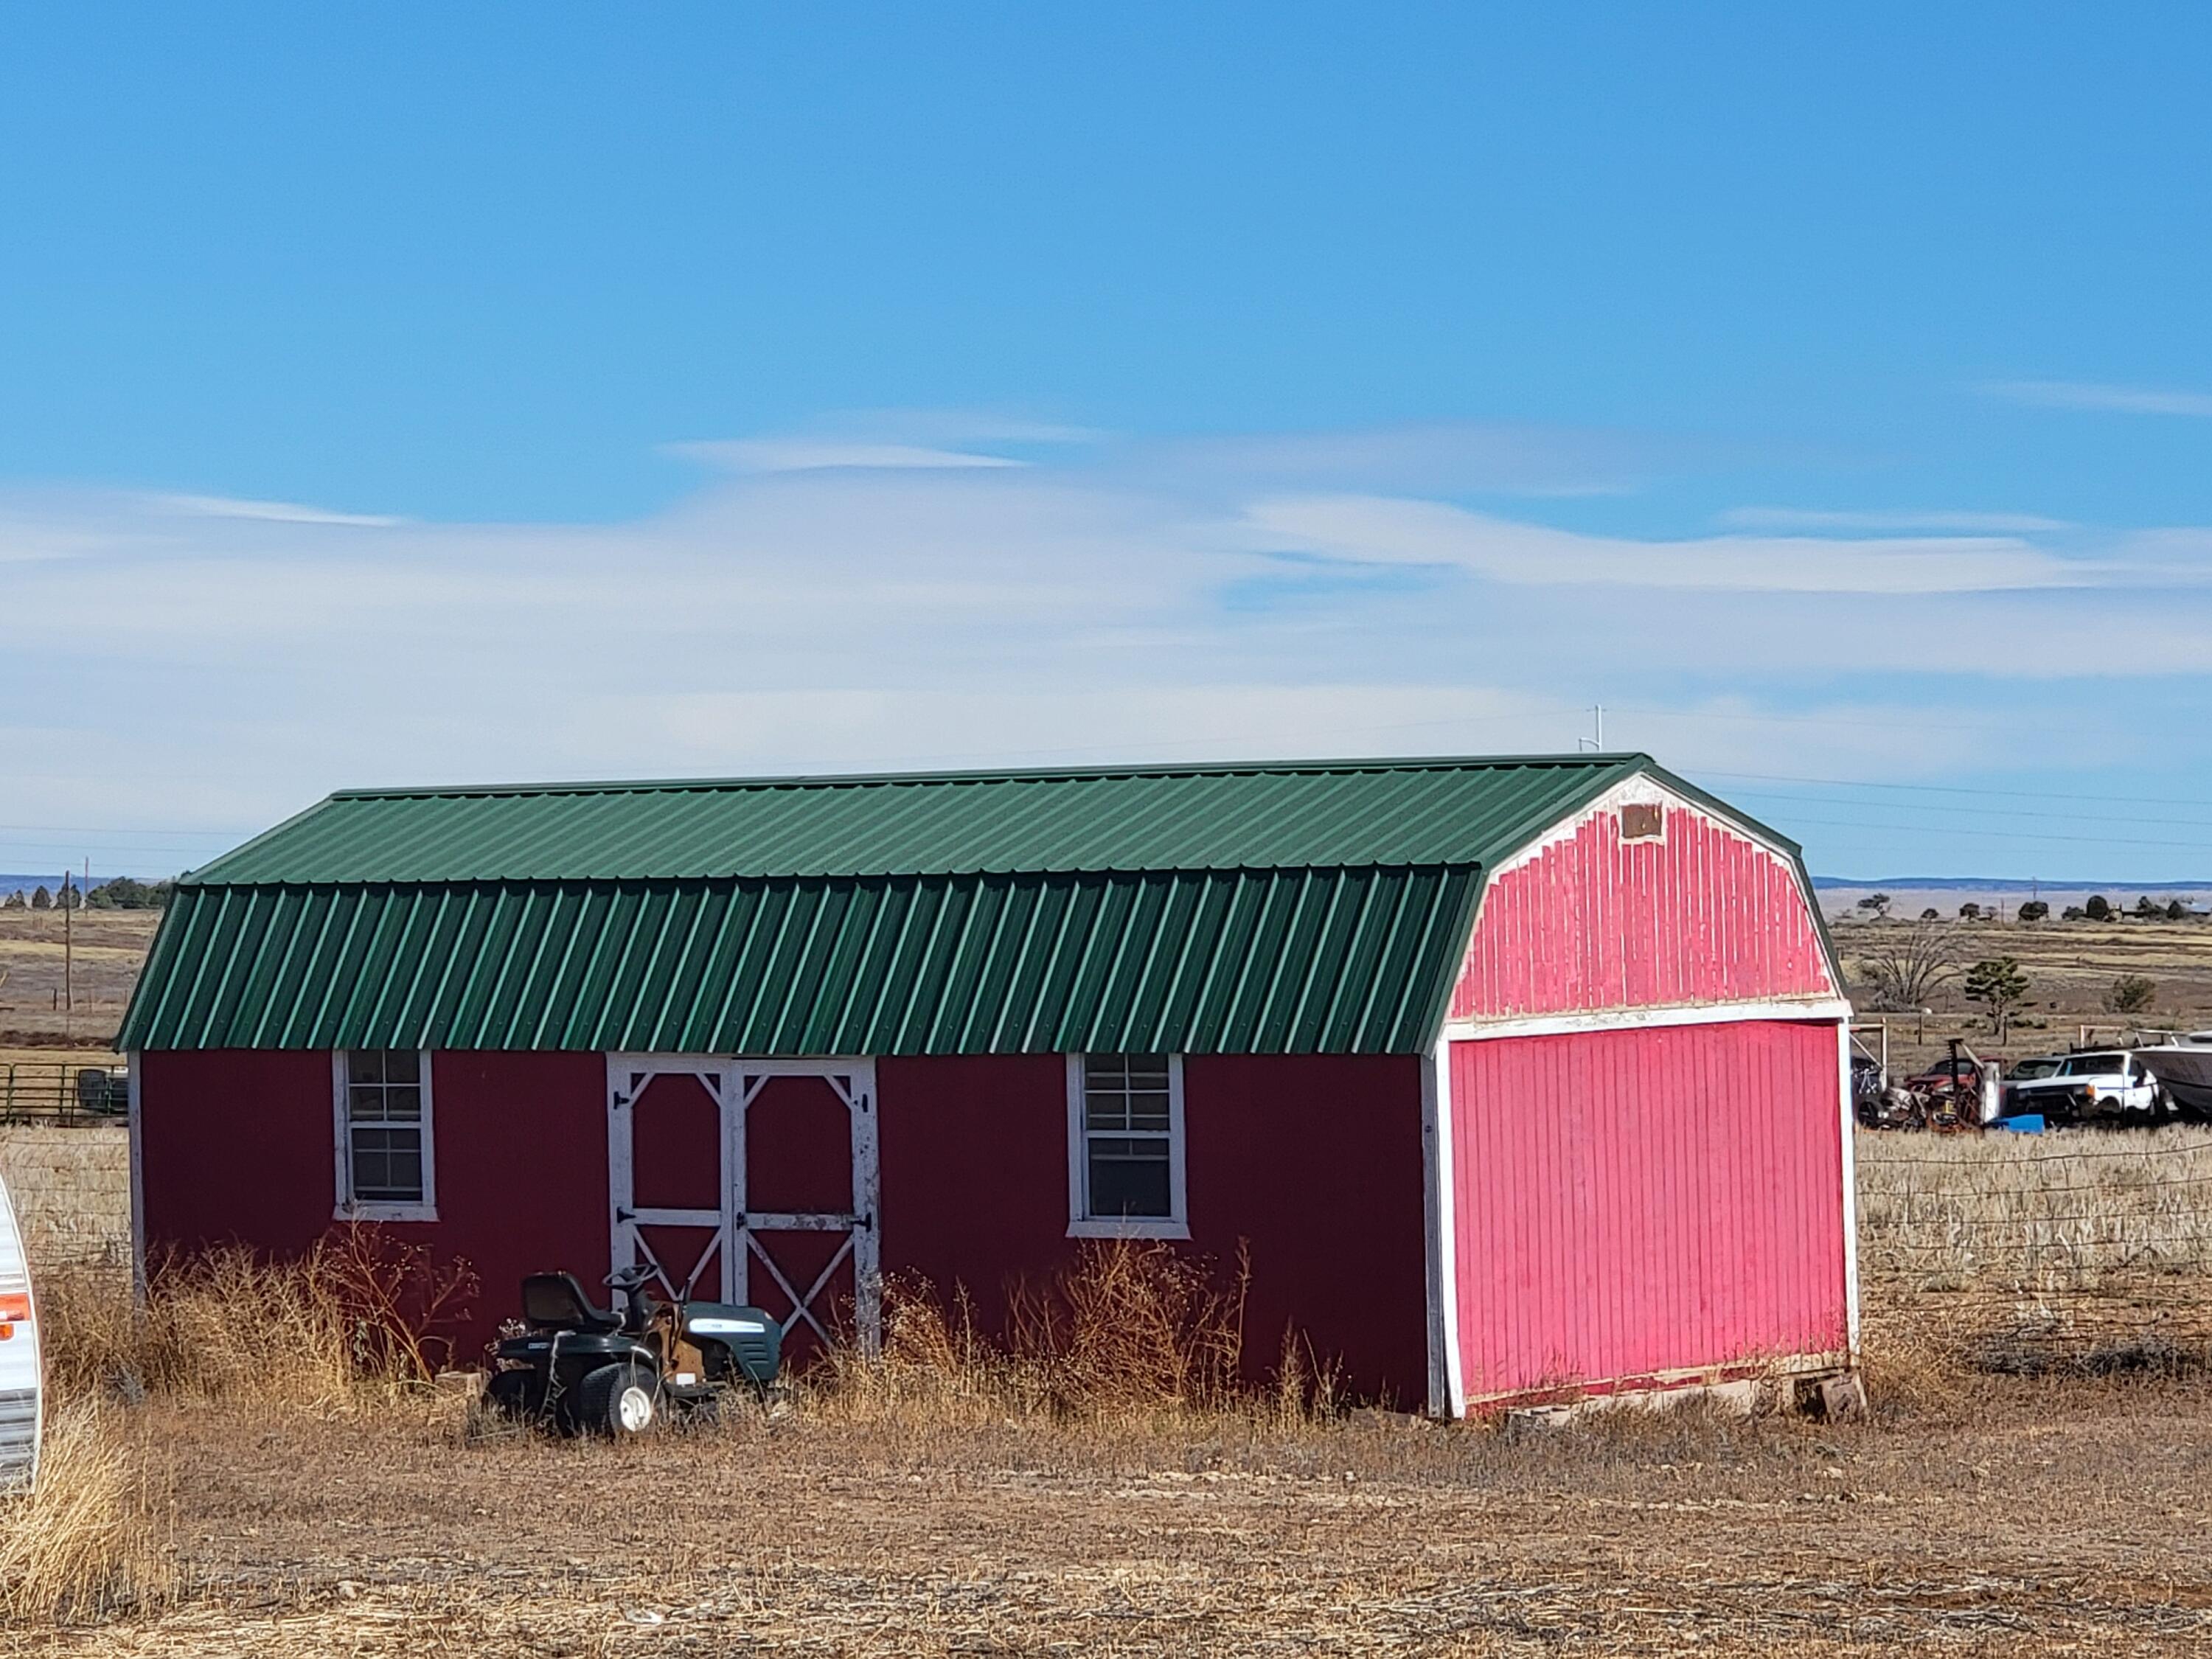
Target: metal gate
[754, 1181]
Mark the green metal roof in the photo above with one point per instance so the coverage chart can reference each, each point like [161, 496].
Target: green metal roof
[1247, 818]
[1289, 909]
[1341, 961]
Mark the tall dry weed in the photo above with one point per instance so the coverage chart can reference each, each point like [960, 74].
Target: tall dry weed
[1130, 1330]
[356, 1316]
[89, 1542]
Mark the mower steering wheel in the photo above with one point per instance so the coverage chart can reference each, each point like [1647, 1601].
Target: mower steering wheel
[627, 1278]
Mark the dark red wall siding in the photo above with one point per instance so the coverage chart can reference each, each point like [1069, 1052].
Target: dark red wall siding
[1311, 1162]
[1314, 1163]
[973, 1171]
[238, 1148]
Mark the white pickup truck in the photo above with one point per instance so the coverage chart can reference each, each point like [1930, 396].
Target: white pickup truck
[2108, 1083]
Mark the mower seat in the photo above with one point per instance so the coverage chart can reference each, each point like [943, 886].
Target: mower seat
[556, 1302]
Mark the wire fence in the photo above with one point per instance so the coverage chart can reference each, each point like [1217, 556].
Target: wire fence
[2044, 1221]
[52, 1092]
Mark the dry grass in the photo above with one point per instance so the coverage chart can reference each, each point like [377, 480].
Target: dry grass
[2078, 1253]
[338, 1330]
[92, 1540]
[1098, 1482]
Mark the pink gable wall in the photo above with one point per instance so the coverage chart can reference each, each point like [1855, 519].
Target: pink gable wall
[1703, 914]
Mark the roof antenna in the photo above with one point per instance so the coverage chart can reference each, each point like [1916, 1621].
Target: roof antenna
[1597, 721]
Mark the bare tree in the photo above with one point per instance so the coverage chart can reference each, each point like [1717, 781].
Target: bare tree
[1905, 968]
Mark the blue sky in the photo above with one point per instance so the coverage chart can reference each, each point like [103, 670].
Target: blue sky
[447, 393]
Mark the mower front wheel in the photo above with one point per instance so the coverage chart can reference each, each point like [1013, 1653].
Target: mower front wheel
[519, 1395]
[621, 1401]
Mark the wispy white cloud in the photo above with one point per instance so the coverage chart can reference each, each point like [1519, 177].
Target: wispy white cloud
[225, 506]
[2092, 395]
[1431, 532]
[1107, 600]
[1968, 524]
[823, 455]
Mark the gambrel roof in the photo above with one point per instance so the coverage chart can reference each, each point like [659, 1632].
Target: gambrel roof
[1308, 907]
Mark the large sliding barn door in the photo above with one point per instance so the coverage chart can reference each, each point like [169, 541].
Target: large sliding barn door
[750, 1181]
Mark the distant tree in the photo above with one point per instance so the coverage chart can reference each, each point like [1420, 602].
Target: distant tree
[1931, 914]
[1969, 911]
[2099, 908]
[1876, 904]
[2034, 910]
[1999, 986]
[1905, 970]
[69, 898]
[2178, 911]
[2131, 993]
[2147, 909]
[2072, 913]
[123, 893]
[42, 900]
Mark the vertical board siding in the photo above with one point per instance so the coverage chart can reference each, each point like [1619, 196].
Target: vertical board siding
[1700, 914]
[1634, 1203]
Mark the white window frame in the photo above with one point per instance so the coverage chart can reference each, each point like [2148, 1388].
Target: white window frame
[1081, 1224]
[347, 1208]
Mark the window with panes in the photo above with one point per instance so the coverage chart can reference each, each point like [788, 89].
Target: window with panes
[385, 1125]
[1127, 1132]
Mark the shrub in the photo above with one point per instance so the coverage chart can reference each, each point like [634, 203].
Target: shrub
[2098, 907]
[1997, 983]
[2130, 993]
[2034, 910]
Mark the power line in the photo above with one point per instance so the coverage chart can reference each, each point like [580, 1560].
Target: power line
[2002, 835]
[1954, 789]
[1914, 806]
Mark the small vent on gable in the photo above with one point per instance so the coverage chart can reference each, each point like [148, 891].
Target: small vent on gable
[1642, 821]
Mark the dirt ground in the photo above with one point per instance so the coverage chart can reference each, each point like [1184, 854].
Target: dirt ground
[106, 949]
[2047, 1518]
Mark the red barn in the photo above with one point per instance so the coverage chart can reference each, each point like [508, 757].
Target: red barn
[1513, 1078]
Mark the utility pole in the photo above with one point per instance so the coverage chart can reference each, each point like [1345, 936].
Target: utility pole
[1597, 726]
[68, 991]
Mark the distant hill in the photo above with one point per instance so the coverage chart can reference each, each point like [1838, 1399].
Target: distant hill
[2002, 884]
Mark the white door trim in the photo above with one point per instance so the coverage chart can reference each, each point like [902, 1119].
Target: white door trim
[735, 1081]
[1634, 1019]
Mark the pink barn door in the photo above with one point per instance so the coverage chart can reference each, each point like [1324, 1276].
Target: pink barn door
[1640, 1206]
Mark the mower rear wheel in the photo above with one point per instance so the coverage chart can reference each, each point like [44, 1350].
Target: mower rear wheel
[621, 1400]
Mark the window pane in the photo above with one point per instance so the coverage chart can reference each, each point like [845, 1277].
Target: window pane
[365, 1104]
[1148, 1112]
[1146, 1070]
[402, 1065]
[1105, 1111]
[1129, 1176]
[387, 1165]
[402, 1102]
[365, 1066]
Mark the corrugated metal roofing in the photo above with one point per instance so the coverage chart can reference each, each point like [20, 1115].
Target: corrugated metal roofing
[1253, 818]
[1292, 909]
[1292, 961]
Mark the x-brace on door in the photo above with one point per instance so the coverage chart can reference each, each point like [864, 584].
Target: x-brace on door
[684, 1160]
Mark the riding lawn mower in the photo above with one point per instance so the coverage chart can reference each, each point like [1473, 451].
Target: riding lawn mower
[584, 1370]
